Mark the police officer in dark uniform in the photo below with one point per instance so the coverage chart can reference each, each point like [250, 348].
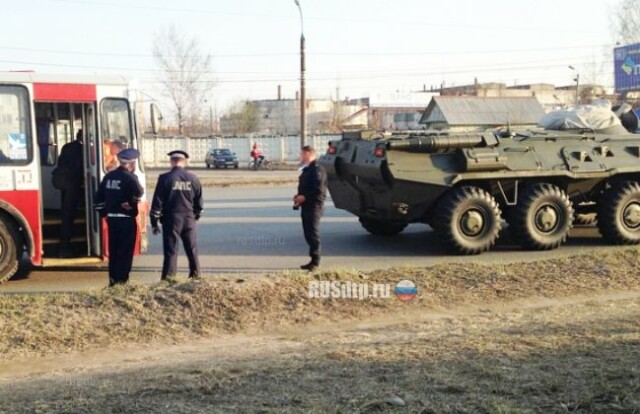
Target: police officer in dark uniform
[117, 199]
[312, 191]
[177, 204]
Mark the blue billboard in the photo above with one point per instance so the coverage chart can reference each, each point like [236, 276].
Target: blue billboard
[626, 61]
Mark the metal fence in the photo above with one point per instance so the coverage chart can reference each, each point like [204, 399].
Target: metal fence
[277, 149]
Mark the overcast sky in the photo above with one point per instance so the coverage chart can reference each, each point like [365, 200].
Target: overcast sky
[354, 47]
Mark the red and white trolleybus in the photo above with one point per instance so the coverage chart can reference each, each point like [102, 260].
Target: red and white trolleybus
[38, 115]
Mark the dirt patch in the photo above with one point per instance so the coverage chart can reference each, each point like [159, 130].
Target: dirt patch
[54, 323]
[576, 355]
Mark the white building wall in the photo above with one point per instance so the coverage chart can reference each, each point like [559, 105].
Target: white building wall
[278, 149]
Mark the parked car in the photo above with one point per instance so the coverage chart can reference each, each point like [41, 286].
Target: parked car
[221, 157]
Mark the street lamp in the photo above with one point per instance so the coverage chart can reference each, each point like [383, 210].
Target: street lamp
[303, 101]
[577, 79]
[210, 117]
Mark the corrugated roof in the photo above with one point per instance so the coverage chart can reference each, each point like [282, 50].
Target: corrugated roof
[463, 110]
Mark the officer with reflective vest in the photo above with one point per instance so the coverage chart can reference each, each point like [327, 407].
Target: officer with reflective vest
[117, 200]
[177, 204]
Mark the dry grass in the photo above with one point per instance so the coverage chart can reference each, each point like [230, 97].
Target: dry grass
[580, 357]
[52, 323]
[477, 339]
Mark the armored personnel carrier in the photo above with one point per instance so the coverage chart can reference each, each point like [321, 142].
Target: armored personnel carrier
[464, 185]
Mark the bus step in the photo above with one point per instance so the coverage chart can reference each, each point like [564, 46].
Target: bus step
[77, 239]
[76, 261]
[57, 221]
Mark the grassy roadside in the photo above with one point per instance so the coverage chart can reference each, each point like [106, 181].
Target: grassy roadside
[54, 323]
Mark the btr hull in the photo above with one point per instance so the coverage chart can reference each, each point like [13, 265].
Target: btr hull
[465, 186]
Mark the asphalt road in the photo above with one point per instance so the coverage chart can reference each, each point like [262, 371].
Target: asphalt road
[253, 230]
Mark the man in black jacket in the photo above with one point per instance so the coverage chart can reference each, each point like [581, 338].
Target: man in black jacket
[177, 204]
[312, 191]
[70, 164]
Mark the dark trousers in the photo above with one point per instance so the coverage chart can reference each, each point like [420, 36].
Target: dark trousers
[70, 201]
[179, 227]
[311, 225]
[122, 241]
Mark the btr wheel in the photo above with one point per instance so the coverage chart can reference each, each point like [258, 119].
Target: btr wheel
[619, 213]
[467, 219]
[542, 218]
[382, 228]
[10, 250]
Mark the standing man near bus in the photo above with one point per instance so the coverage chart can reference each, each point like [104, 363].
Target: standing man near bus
[177, 204]
[312, 191]
[71, 172]
[117, 199]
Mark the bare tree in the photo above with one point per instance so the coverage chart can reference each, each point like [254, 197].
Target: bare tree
[625, 21]
[186, 73]
[244, 118]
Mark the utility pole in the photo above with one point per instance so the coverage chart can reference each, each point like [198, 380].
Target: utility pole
[303, 100]
[206, 101]
[210, 119]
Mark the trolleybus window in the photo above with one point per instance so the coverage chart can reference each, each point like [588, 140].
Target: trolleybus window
[116, 130]
[15, 142]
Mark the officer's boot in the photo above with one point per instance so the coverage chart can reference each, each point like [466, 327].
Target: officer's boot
[312, 265]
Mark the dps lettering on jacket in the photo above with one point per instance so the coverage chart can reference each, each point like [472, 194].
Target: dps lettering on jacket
[182, 186]
[113, 184]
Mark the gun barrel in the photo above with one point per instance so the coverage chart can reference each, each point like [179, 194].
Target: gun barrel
[435, 144]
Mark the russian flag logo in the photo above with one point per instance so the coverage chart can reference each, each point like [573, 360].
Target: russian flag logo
[405, 290]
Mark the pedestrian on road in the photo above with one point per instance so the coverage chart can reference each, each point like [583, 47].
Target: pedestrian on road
[117, 199]
[177, 204]
[312, 191]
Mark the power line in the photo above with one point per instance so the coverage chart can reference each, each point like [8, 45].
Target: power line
[422, 74]
[522, 65]
[279, 54]
[521, 28]
[160, 8]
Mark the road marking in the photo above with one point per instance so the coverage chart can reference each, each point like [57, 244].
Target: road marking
[271, 220]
